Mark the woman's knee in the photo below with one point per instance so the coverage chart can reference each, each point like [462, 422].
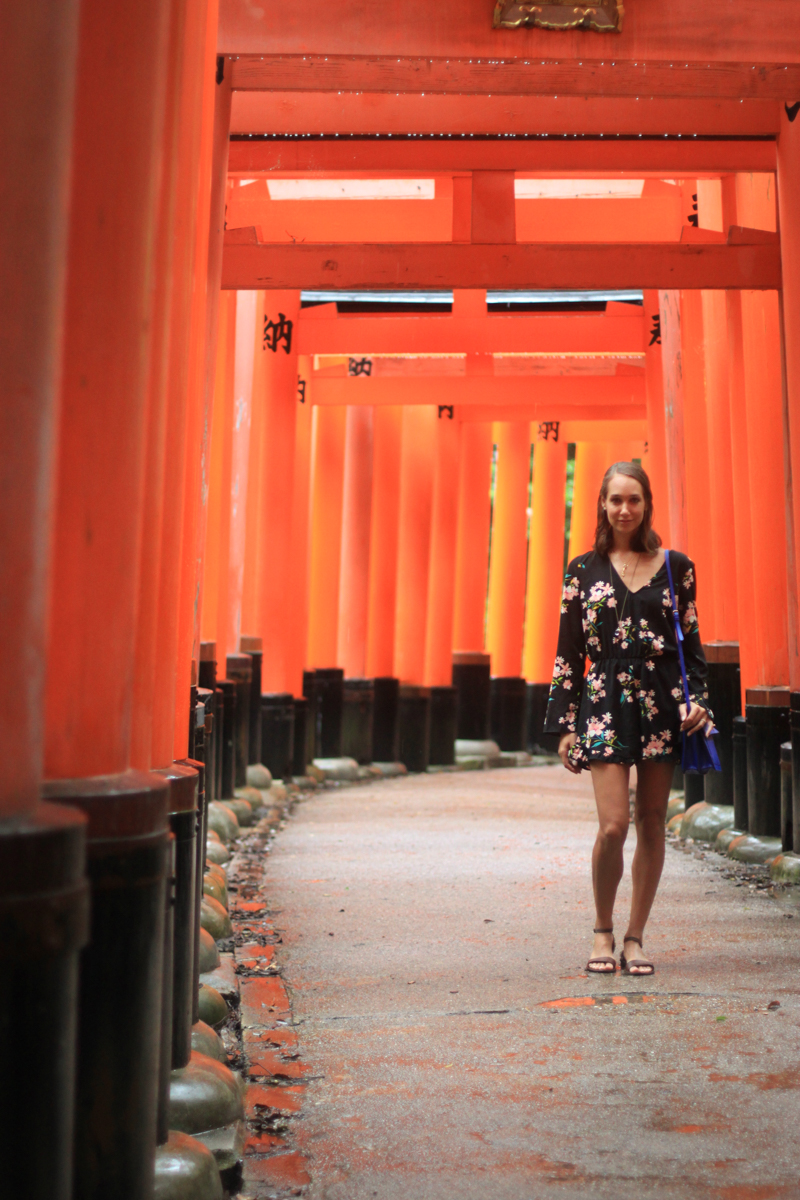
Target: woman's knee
[613, 831]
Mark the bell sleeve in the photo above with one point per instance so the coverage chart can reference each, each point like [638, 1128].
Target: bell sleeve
[696, 667]
[565, 690]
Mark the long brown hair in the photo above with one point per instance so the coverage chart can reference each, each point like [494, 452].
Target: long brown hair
[645, 539]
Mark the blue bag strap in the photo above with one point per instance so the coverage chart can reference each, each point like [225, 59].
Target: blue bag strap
[678, 631]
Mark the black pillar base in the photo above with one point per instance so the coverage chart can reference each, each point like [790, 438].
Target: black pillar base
[121, 970]
[472, 681]
[414, 722]
[44, 923]
[787, 815]
[277, 734]
[509, 696]
[794, 718]
[301, 716]
[358, 705]
[312, 716]
[725, 698]
[739, 744]
[443, 727]
[385, 728]
[253, 647]
[329, 686]
[694, 788]
[536, 740]
[767, 727]
[239, 668]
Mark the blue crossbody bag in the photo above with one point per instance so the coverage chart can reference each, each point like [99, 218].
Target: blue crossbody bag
[698, 752]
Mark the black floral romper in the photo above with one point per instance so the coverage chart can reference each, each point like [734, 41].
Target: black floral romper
[626, 708]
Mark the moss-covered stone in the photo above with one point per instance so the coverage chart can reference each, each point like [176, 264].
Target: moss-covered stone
[243, 810]
[702, 821]
[677, 804]
[223, 821]
[786, 868]
[674, 823]
[258, 776]
[213, 887]
[212, 1008]
[206, 1040]
[215, 919]
[724, 838]
[750, 849]
[209, 954]
[217, 853]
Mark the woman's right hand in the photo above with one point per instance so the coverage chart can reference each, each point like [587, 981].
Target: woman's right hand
[564, 747]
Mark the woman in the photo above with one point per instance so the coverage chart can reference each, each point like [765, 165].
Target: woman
[616, 611]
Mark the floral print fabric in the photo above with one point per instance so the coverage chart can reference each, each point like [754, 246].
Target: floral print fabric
[625, 707]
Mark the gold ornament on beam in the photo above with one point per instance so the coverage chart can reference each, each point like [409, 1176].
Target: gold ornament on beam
[605, 17]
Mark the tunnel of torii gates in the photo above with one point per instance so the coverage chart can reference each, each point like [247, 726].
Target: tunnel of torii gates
[234, 500]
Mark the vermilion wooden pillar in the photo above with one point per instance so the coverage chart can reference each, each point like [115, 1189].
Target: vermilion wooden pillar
[297, 630]
[177, 552]
[214, 598]
[655, 458]
[789, 210]
[545, 559]
[356, 522]
[721, 623]
[41, 847]
[213, 102]
[472, 541]
[674, 390]
[387, 437]
[254, 483]
[326, 535]
[506, 612]
[115, 174]
[442, 570]
[240, 461]
[757, 439]
[591, 461]
[696, 449]
[417, 461]
[278, 352]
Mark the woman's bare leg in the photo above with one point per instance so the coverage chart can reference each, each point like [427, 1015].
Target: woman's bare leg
[652, 795]
[610, 782]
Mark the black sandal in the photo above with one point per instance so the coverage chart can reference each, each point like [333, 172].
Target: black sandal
[627, 963]
[603, 958]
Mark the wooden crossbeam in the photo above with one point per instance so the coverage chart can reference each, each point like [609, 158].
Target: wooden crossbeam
[515, 76]
[584, 393]
[514, 266]
[583, 333]
[601, 425]
[688, 156]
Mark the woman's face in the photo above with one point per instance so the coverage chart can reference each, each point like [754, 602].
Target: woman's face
[624, 504]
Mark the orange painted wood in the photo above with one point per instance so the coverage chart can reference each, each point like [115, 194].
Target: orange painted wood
[297, 583]
[655, 458]
[387, 436]
[765, 80]
[567, 118]
[278, 373]
[255, 466]
[591, 461]
[442, 570]
[580, 391]
[472, 543]
[326, 536]
[506, 604]
[213, 103]
[244, 354]
[545, 558]
[118, 119]
[356, 525]
[417, 463]
[148, 615]
[755, 204]
[689, 156]
[789, 209]
[35, 149]
[674, 442]
[699, 532]
[493, 208]
[585, 333]
[214, 597]
[682, 32]
[574, 414]
[522, 265]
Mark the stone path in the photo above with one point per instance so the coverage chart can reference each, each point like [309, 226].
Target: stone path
[434, 931]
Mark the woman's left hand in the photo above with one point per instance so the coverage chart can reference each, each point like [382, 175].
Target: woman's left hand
[696, 718]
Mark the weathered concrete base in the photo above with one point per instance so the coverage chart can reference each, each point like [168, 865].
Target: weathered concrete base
[704, 821]
[207, 1041]
[186, 1170]
[786, 868]
[749, 849]
[223, 821]
[676, 804]
[258, 776]
[214, 918]
[725, 837]
[223, 978]
[338, 769]
[391, 770]
[243, 810]
[216, 852]
[465, 748]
